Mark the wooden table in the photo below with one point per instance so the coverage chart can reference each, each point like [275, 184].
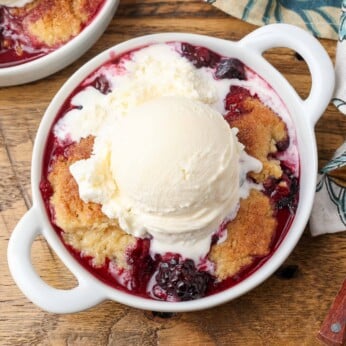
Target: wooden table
[287, 309]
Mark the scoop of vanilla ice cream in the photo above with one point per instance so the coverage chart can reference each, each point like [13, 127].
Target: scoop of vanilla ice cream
[168, 170]
[14, 3]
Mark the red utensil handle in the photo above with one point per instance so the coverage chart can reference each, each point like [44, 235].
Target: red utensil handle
[333, 329]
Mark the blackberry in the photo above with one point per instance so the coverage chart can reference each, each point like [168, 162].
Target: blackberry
[283, 145]
[179, 279]
[290, 200]
[230, 68]
[199, 56]
[283, 191]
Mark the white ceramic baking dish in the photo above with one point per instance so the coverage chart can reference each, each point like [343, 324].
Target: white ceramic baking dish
[64, 55]
[90, 291]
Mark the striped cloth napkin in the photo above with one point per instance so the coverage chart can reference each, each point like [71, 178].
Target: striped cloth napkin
[323, 19]
[329, 209]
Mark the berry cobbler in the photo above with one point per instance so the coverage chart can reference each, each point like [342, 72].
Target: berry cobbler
[31, 29]
[172, 172]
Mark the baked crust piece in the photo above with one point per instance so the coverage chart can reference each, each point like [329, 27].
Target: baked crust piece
[249, 234]
[85, 227]
[54, 22]
[259, 130]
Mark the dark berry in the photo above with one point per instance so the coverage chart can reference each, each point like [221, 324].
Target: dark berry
[214, 239]
[101, 83]
[2, 29]
[1, 36]
[290, 200]
[283, 145]
[283, 191]
[199, 56]
[234, 101]
[179, 279]
[269, 185]
[230, 68]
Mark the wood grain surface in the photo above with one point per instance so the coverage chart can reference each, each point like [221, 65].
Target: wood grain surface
[287, 309]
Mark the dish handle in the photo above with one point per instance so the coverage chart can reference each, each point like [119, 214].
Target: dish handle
[317, 59]
[81, 297]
